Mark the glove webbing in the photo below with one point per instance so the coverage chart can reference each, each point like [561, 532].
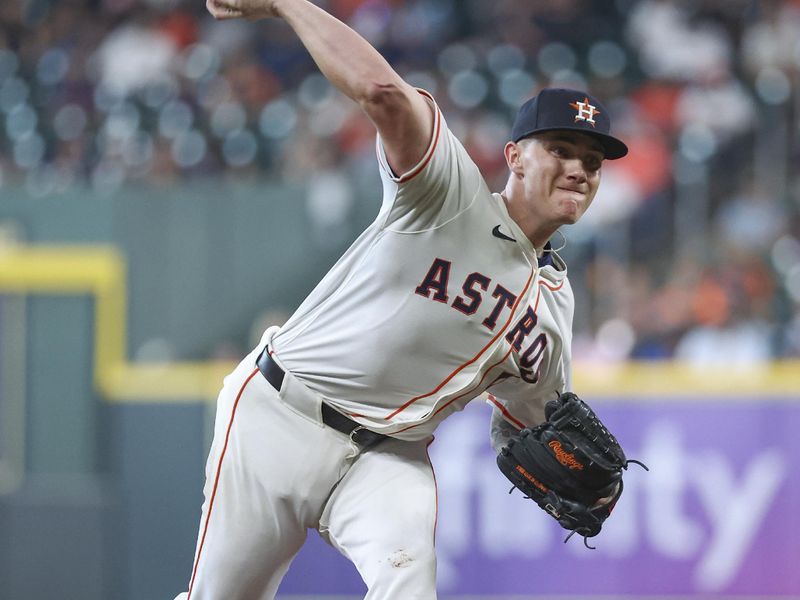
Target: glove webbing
[571, 413]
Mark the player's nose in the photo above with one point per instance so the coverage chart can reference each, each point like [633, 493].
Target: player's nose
[575, 170]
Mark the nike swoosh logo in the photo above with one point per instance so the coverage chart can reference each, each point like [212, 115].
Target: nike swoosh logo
[499, 234]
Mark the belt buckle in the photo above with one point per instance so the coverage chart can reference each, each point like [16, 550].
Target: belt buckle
[356, 430]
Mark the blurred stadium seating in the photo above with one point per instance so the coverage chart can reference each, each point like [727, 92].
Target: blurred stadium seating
[693, 244]
[150, 158]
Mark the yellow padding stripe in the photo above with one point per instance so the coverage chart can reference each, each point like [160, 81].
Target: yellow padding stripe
[178, 381]
[688, 381]
[99, 271]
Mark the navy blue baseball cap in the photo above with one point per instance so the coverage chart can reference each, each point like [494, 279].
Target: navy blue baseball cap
[555, 109]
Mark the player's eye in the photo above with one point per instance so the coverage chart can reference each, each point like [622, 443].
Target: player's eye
[592, 164]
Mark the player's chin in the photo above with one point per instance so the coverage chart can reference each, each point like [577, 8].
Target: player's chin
[571, 212]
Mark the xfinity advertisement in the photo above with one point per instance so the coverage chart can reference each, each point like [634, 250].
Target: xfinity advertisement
[715, 516]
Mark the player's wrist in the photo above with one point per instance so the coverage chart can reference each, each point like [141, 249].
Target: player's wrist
[277, 8]
[272, 8]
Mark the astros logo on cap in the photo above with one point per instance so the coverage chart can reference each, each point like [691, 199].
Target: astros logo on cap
[586, 111]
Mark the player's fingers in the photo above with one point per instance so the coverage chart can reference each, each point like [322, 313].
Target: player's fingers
[220, 9]
[223, 14]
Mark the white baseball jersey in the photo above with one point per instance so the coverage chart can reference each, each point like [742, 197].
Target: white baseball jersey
[439, 300]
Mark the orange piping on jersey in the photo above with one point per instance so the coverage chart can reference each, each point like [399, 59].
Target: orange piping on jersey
[470, 361]
[539, 293]
[536, 304]
[435, 490]
[216, 481]
[485, 374]
[431, 150]
[499, 362]
[441, 408]
[428, 154]
[505, 412]
[552, 289]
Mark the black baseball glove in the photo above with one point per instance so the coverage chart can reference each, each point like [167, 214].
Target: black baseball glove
[570, 465]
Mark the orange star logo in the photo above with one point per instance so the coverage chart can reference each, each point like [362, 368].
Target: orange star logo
[586, 112]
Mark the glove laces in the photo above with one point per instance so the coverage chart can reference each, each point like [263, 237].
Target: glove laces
[636, 462]
[585, 539]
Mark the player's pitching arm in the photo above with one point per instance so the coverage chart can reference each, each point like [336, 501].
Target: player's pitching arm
[404, 119]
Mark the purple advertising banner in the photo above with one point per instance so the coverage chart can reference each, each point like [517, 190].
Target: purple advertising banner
[716, 516]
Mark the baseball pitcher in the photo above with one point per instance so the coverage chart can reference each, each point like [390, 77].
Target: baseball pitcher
[452, 292]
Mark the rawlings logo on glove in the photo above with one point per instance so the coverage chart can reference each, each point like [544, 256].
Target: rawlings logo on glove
[570, 465]
[565, 458]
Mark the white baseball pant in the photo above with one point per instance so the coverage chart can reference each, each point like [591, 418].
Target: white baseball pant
[275, 470]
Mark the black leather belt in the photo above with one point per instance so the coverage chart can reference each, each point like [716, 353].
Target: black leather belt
[330, 416]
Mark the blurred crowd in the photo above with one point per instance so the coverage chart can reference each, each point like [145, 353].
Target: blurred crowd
[692, 249]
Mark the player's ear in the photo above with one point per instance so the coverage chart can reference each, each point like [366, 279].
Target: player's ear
[513, 154]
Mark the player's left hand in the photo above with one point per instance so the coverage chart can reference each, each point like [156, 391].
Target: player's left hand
[252, 10]
[570, 465]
